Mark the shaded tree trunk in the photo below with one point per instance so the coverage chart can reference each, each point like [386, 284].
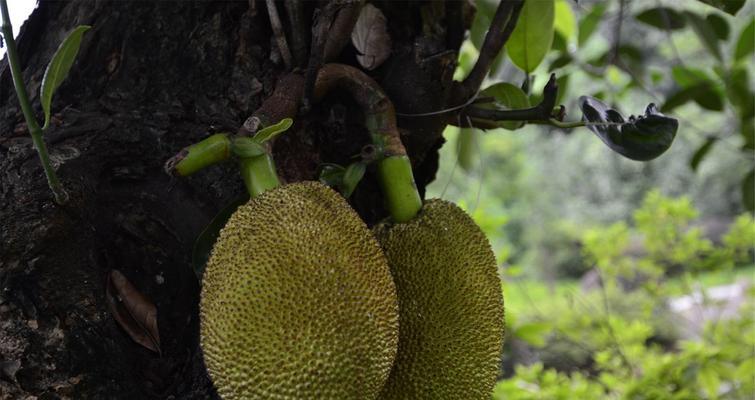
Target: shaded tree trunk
[151, 78]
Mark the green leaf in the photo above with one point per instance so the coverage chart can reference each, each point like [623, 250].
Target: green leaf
[641, 138]
[351, 177]
[705, 32]
[719, 25]
[687, 76]
[331, 174]
[748, 191]
[483, 17]
[700, 154]
[533, 35]
[246, 147]
[507, 97]
[533, 333]
[663, 18]
[727, 6]
[590, 22]
[746, 41]
[565, 23]
[203, 245]
[466, 148]
[272, 131]
[58, 68]
[702, 93]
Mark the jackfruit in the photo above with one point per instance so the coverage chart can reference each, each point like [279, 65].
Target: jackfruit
[450, 306]
[297, 301]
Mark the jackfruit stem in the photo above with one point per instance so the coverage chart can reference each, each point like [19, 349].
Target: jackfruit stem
[209, 151]
[395, 170]
[259, 174]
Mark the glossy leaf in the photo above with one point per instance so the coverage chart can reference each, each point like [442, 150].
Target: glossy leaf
[533, 35]
[746, 42]
[351, 178]
[748, 191]
[700, 154]
[590, 22]
[639, 138]
[246, 147]
[720, 26]
[206, 240]
[133, 311]
[663, 18]
[507, 97]
[272, 131]
[705, 32]
[58, 68]
[370, 37]
[727, 6]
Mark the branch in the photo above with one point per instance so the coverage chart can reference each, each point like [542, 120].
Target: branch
[340, 31]
[503, 24]
[280, 36]
[540, 112]
[298, 31]
[323, 20]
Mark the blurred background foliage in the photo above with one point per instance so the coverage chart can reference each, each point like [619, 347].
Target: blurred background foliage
[622, 279]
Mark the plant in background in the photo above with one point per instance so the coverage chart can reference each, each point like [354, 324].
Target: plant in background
[56, 72]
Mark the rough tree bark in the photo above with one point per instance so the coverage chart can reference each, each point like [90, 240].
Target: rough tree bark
[151, 78]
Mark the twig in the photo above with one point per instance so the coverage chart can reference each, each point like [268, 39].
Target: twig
[503, 24]
[299, 31]
[61, 196]
[280, 36]
[323, 21]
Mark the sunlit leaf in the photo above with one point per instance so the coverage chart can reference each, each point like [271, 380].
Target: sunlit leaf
[133, 311]
[565, 23]
[705, 32]
[507, 97]
[533, 35]
[58, 68]
[700, 154]
[663, 18]
[590, 22]
[272, 131]
[746, 41]
[206, 240]
[639, 138]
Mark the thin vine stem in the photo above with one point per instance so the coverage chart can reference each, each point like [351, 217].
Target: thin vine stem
[61, 196]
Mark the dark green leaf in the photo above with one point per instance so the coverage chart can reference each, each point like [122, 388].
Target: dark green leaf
[533, 35]
[559, 43]
[466, 148]
[688, 76]
[58, 68]
[727, 6]
[561, 61]
[702, 93]
[719, 25]
[331, 174]
[746, 41]
[351, 178]
[740, 93]
[747, 130]
[701, 153]
[247, 147]
[483, 18]
[705, 32]
[662, 18]
[748, 191]
[272, 131]
[563, 87]
[507, 97]
[590, 22]
[203, 245]
[640, 138]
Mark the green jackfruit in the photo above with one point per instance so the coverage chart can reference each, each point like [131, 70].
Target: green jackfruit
[297, 301]
[450, 306]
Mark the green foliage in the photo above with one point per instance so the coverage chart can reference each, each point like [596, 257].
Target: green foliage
[533, 35]
[59, 67]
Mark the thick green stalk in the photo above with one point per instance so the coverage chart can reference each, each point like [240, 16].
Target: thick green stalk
[259, 174]
[209, 151]
[61, 196]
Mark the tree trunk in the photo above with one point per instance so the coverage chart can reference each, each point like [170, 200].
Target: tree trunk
[152, 78]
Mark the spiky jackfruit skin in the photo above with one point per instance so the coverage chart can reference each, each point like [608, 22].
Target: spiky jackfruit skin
[297, 301]
[450, 306]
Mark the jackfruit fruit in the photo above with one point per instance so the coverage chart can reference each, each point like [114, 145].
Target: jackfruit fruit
[297, 301]
[450, 306]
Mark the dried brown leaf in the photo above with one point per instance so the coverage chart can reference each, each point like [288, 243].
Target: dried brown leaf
[370, 37]
[133, 311]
